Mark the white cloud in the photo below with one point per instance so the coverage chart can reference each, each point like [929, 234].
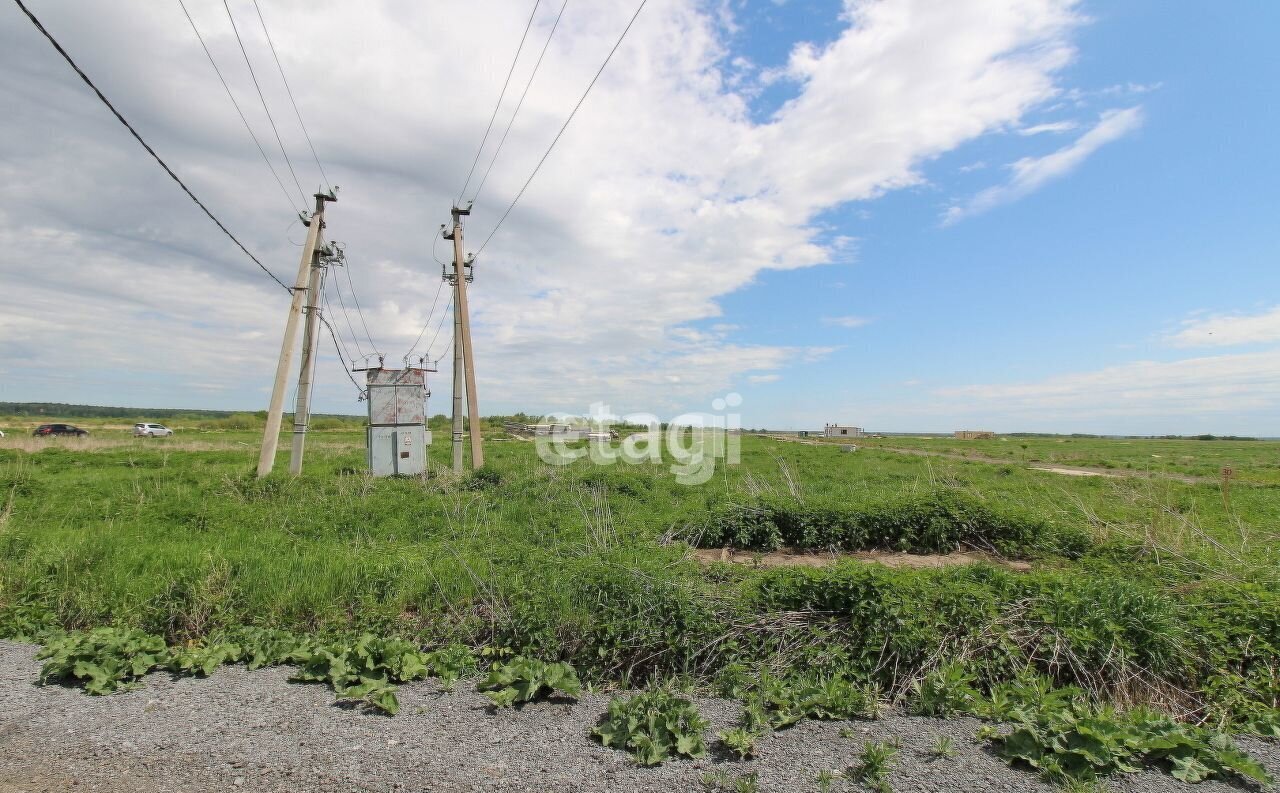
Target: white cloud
[846, 322]
[1032, 173]
[1229, 329]
[763, 378]
[1054, 127]
[1131, 88]
[662, 197]
[1223, 384]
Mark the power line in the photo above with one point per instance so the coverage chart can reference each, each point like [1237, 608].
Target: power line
[359, 312]
[338, 345]
[145, 145]
[236, 104]
[345, 367]
[572, 113]
[447, 341]
[436, 335]
[289, 90]
[263, 99]
[510, 71]
[350, 328]
[527, 85]
[430, 316]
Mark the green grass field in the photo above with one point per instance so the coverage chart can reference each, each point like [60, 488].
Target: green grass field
[1140, 590]
[1252, 461]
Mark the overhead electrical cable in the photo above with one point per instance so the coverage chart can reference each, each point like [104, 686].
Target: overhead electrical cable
[348, 363]
[345, 367]
[476, 196]
[345, 316]
[447, 313]
[289, 90]
[144, 144]
[231, 96]
[427, 324]
[572, 113]
[502, 94]
[359, 312]
[263, 100]
[447, 342]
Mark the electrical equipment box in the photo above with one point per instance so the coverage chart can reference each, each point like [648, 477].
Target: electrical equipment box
[397, 437]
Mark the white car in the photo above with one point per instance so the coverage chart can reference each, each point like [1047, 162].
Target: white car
[151, 431]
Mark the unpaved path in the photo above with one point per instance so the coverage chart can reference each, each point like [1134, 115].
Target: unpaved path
[254, 731]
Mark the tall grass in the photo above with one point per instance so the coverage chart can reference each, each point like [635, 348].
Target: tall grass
[1173, 597]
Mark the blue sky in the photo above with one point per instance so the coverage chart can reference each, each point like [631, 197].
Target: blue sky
[904, 214]
[1089, 271]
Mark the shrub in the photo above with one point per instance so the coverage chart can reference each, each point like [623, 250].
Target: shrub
[937, 522]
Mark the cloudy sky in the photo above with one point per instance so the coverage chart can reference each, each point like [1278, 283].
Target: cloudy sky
[903, 214]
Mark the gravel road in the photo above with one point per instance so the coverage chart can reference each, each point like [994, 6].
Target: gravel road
[255, 731]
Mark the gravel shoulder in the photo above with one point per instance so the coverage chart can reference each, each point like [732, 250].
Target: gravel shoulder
[241, 730]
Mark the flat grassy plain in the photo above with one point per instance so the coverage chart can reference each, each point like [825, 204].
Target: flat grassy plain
[1252, 461]
[1140, 591]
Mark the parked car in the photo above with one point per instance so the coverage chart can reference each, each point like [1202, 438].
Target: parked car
[1, 433]
[145, 430]
[59, 429]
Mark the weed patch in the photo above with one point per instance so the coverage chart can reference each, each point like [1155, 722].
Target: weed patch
[874, 765]
[364, 669]
[522, 680]
[102, 660]
[1079, 742]
[653, 726]
[779, 703]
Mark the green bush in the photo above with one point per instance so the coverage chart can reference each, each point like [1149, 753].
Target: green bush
[938, 522]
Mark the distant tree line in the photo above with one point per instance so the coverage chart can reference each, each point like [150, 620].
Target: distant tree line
[65, 410]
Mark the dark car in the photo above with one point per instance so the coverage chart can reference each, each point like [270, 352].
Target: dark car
[59, 429]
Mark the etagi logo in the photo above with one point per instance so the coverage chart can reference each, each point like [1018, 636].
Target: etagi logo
[693, 442]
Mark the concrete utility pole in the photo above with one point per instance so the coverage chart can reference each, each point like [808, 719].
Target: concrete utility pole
[306, 373]
[275, 412]
[463, 362]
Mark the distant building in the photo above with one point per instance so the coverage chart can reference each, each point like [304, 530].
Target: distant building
[842, 431]
[975, 435]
